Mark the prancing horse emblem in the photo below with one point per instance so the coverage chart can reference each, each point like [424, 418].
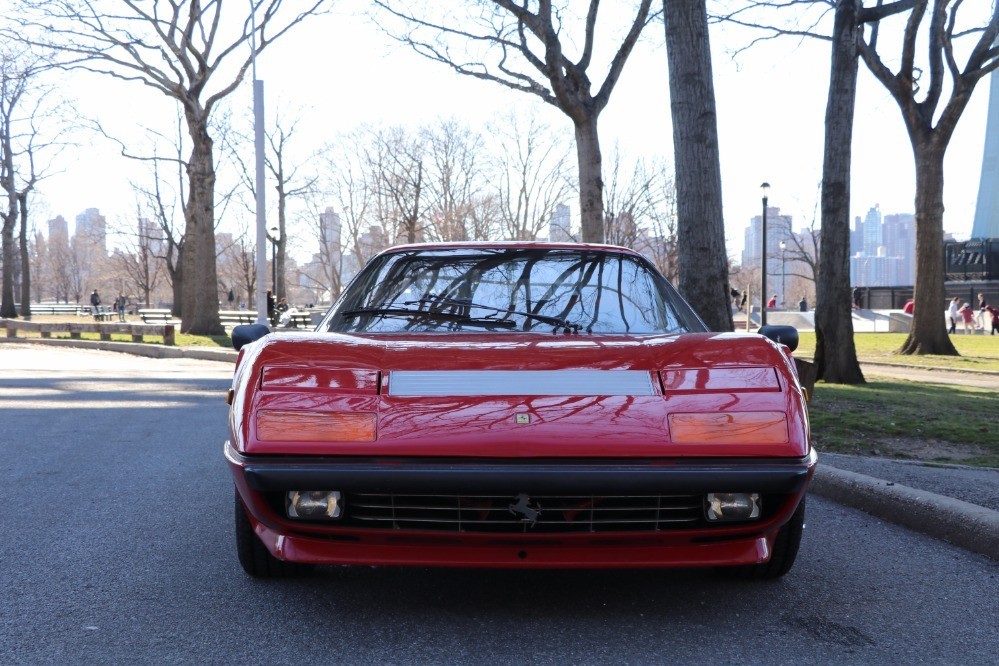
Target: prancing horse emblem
[522, 507]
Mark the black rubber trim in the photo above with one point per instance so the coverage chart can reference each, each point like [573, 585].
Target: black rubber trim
[550, 476]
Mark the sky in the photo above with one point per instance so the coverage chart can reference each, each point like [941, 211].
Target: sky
[341, 71]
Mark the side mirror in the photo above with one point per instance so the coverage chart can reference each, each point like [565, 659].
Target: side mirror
[247, 333]
[784, 335]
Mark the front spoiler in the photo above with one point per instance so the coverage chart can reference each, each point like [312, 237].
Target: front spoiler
[539, 553]
[550, 476]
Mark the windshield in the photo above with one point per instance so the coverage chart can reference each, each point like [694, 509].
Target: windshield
[512, 290]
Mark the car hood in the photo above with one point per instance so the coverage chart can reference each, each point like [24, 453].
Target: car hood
[515, 395]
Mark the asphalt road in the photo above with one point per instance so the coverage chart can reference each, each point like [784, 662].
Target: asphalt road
[117, 546]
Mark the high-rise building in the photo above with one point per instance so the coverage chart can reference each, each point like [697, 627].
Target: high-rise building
[872, 231]
[329, 233]
[857, 236]
[58, 230]
[151, 236]
[559, 226]
[778, 229]
[91, 229]
[899, 238]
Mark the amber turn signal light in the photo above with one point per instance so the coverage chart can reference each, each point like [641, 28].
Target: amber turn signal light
[729, 428]
[285, 426]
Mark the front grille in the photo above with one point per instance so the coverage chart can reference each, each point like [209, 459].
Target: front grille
[522, 514]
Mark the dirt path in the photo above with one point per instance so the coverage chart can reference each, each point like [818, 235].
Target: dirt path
[973, 380]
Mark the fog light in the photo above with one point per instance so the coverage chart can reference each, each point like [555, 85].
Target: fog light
[314, 504]
[733, 506]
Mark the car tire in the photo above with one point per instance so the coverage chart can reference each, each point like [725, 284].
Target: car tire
[253, 555]
[785, 550]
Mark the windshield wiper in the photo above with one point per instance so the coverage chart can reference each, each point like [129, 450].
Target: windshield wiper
[430, 314]
[557, 322]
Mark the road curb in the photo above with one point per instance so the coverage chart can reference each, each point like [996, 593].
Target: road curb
[963, 524]
[135, 348]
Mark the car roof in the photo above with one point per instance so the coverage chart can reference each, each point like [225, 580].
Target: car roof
[509, 245]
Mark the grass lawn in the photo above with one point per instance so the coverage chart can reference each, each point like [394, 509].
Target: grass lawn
[890, 418]
[978, 352]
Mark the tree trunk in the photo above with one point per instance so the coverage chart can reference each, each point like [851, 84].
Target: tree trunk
[703, 261]
[591, 183]
[928, 334]
[200, 304]
[177, 285]
[7, 309]
[25, 259]
[835, 351]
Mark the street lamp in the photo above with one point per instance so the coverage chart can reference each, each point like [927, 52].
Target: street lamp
[783, 273]
[765, 187]
[275, 239]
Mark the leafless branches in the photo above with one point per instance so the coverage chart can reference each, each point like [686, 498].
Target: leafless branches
[525, 46]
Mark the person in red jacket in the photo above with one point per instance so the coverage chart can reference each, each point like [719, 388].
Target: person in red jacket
[772, 303]
[909, 306]
[992, 310]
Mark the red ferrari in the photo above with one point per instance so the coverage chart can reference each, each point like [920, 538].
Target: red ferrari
[517, 405]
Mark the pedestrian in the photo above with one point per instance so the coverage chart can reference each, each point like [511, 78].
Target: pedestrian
[802, 305]
[745, 299]
[967, 313]
[95, 304]
[909, 307]
[952, 313]
[995, 318]
[856, 298]
[734, 295]
[772, 303]
[119, 305]
[231, 297]
[270, 306]
[982, 306]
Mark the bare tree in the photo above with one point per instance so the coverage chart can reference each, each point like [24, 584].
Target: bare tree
[455, 183]
[183, 49]
[531, 174]
[18, 68]
[835, 351]
[346, 181]
[286, 177]
[700, 225]
[323, 274]
[397, 158]
[159, 201]
[139, 243]
[237, 265]
[930, 129]
[523, 46]
[641, 211]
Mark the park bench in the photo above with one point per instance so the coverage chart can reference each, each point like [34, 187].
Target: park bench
[154, 315]
[232, 318]
[137, 331]
[54, 308]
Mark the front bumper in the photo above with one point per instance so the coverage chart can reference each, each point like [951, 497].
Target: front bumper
[737, 543]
